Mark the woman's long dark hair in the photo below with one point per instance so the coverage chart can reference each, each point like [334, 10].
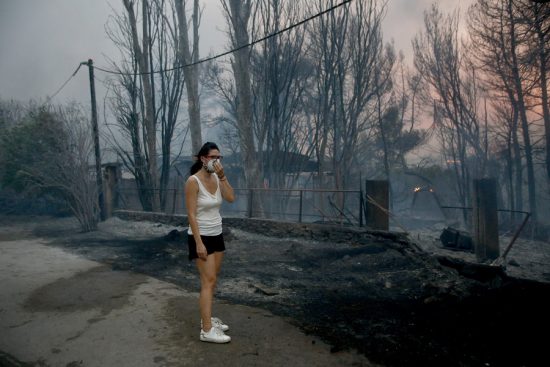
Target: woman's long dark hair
[206, 148]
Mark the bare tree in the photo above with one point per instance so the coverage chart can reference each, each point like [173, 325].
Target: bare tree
[534, 25]
[489, 36]
[453, 85]
[386, 112]
[147, 93]
[352, 69]
[496, 32]
[189, 54]
[143, 57]
[507, 148]
[280, 74]
[238, 15]
[514, 48]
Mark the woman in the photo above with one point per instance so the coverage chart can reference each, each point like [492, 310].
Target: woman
[204, 191]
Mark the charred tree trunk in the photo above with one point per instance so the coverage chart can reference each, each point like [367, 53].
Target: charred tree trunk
[522, 114]
[191, 72]
[149, 120]
[239, 14]
[543, 82]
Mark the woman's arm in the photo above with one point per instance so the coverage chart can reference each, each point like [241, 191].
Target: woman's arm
[227, 191]
[191, 195]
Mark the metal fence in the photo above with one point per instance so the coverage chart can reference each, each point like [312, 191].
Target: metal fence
[298, 205]
[510, 222]
[344, 207]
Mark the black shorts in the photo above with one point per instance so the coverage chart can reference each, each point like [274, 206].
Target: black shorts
[212, 244]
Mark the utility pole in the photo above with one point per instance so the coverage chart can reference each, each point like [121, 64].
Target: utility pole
[95, 130]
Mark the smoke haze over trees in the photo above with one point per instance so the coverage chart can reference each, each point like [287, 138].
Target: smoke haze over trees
[47, 151]
[471, 102]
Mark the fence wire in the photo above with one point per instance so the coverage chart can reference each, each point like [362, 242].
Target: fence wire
[342, 207]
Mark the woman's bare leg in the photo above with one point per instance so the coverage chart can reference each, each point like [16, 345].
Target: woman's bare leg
[218, 257]
[208, 273]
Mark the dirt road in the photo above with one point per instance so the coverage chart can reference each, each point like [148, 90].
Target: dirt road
[60, 309]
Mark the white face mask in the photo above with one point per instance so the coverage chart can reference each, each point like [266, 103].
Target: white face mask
[210, 166]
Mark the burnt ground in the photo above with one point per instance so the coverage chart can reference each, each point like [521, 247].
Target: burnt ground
[398, 306]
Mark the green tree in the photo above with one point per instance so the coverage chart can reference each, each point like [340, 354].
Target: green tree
[49, 152]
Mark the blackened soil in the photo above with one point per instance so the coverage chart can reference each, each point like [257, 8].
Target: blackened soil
[500, 327]
[398, 307]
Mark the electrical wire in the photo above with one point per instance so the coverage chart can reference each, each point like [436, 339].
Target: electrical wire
[232, 50]
[62, 86]
[205, 59]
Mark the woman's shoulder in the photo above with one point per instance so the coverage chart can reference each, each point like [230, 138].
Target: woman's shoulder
[192, 180]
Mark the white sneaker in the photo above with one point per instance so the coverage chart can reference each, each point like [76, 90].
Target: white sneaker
[214, 335]
[217, 323]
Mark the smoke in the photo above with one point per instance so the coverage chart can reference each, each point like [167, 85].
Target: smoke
[404, 18]
[42, 42]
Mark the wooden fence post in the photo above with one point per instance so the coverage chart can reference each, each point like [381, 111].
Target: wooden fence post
[110, 194]
[250, 201]
[485, 219]
[377, 191]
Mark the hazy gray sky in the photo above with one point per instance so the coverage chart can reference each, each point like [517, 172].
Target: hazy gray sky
[43, 41]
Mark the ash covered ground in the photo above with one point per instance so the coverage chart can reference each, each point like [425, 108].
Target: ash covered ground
[397, 305]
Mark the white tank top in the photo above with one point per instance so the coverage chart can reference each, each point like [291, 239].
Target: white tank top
[208, 210]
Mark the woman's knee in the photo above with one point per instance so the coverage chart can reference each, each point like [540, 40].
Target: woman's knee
[208, 281]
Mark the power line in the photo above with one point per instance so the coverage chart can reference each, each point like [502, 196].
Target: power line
[205, 59]
[63, 85]
[235, 49]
